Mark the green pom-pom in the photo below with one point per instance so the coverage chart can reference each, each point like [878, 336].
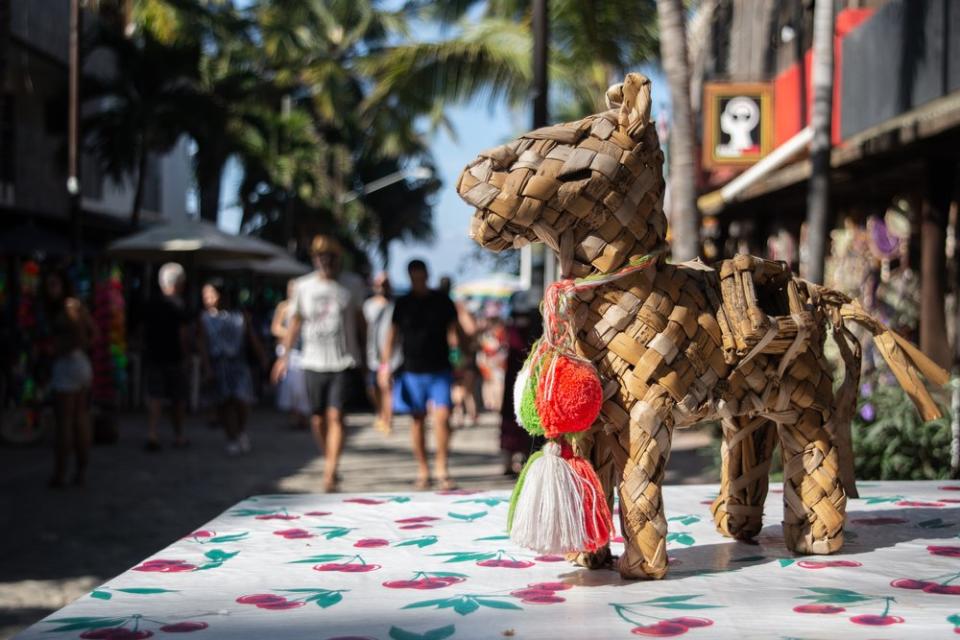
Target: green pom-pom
[529, 417]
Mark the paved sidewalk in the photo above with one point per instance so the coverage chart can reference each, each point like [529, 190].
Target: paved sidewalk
[58, 545]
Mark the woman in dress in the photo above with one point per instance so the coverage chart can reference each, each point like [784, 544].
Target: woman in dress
[224, 335]
[72, 331]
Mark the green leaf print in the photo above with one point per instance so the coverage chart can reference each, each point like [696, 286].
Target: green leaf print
[466, 606]
[665, 599]
[76, 624]
[233, 537]
[467, 517]
[327, 599]
[498, 604]
[440, 633]
[490, 502]
[466, 556]
[100, 595]
[491, 538]
[681, 538]
[327, 557]
[425, 541]
[142, 591]
[954, 619]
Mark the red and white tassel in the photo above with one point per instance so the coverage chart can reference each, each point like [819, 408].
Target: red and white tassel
[549, 516]
[598, 523]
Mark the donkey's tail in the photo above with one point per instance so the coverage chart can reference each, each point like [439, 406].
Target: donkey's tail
[905, 360]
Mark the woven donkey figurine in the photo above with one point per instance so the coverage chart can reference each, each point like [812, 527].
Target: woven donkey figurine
[676, 344]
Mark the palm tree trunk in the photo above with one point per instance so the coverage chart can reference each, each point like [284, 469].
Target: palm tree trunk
[818, 196]
[138, 190]
[684, 216]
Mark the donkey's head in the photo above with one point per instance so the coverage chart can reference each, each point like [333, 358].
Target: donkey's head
[591, 190]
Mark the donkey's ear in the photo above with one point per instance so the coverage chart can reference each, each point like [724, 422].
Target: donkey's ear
[632, 97]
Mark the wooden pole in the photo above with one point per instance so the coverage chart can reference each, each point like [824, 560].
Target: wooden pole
[933, 261]
[818, 196]
[73, 127]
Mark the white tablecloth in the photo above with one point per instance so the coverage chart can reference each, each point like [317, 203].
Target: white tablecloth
[433, 566]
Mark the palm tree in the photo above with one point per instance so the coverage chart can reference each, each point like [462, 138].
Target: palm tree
[592, 44]
[684, 216]
[138, 108]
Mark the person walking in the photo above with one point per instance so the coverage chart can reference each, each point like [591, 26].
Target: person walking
[424, 324]
[463, 391]
[378, 313]
[71, 375]
[331, 326]
[224, 336]
[166, 340]
[292, 390]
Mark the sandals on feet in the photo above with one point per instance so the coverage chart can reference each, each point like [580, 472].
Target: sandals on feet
[422, 483]
[447, 483]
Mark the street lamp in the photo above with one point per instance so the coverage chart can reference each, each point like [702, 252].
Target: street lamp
[417, 173]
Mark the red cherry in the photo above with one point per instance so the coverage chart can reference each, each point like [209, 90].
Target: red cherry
[812, 564]
[872, 620]
[909, 583]
[943, 589]
[417, 525]
[489, 563]
[293, 534]
[367, 501]
[947, 551]
[551, 586]
[843, 563]
[437, 582]
[917, 503]
[818, 608]
[416, 520]
[203, 533]
[951, 501]
[549, 558]
[184, 627]
[277, 516]
[506, 564]
[261, 598]
[371, 542]
[401, 584]
[691, 623]
[280, 606]
[547, 599]
[165, 566]
[949, 487]
[317, 513]
[662, 629]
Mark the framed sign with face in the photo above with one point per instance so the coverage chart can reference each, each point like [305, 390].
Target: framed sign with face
[737, 123]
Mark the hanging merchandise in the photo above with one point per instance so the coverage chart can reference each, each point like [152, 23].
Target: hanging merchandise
[558, 505]
[110, 346]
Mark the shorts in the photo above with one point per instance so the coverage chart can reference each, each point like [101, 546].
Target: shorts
[71, 373]
[325, 390]
[166, 382]
[413, 391]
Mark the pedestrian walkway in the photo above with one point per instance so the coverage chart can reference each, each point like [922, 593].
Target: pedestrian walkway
[58, 545]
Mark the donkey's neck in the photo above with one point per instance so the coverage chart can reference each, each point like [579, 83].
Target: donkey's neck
[604, 264]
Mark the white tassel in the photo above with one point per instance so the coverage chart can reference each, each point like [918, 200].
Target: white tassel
[549, 516]
[518, 387]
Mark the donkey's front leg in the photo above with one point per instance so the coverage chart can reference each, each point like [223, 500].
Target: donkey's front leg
[606, 455]
[641, 505]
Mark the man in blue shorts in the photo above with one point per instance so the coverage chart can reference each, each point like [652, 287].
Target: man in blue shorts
[425, 326]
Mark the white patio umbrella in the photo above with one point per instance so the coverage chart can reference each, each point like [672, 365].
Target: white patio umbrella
[192, 240]
[497, 285]
[281, 266]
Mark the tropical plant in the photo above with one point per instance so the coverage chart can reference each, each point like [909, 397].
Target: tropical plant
[138, 107]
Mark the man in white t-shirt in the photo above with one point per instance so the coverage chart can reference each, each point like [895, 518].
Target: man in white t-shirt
[330, 325]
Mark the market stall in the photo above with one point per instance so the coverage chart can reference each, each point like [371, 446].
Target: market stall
[429, 565]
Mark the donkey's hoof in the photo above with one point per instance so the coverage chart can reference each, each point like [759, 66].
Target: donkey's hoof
[632, 567]
[737, 521]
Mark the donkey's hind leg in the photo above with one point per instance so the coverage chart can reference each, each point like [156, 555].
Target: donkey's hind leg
[745, 465]
[814, 503]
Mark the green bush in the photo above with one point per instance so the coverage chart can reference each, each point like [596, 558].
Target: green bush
[892, 442]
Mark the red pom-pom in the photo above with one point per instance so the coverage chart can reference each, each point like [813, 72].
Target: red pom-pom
[568, 396]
